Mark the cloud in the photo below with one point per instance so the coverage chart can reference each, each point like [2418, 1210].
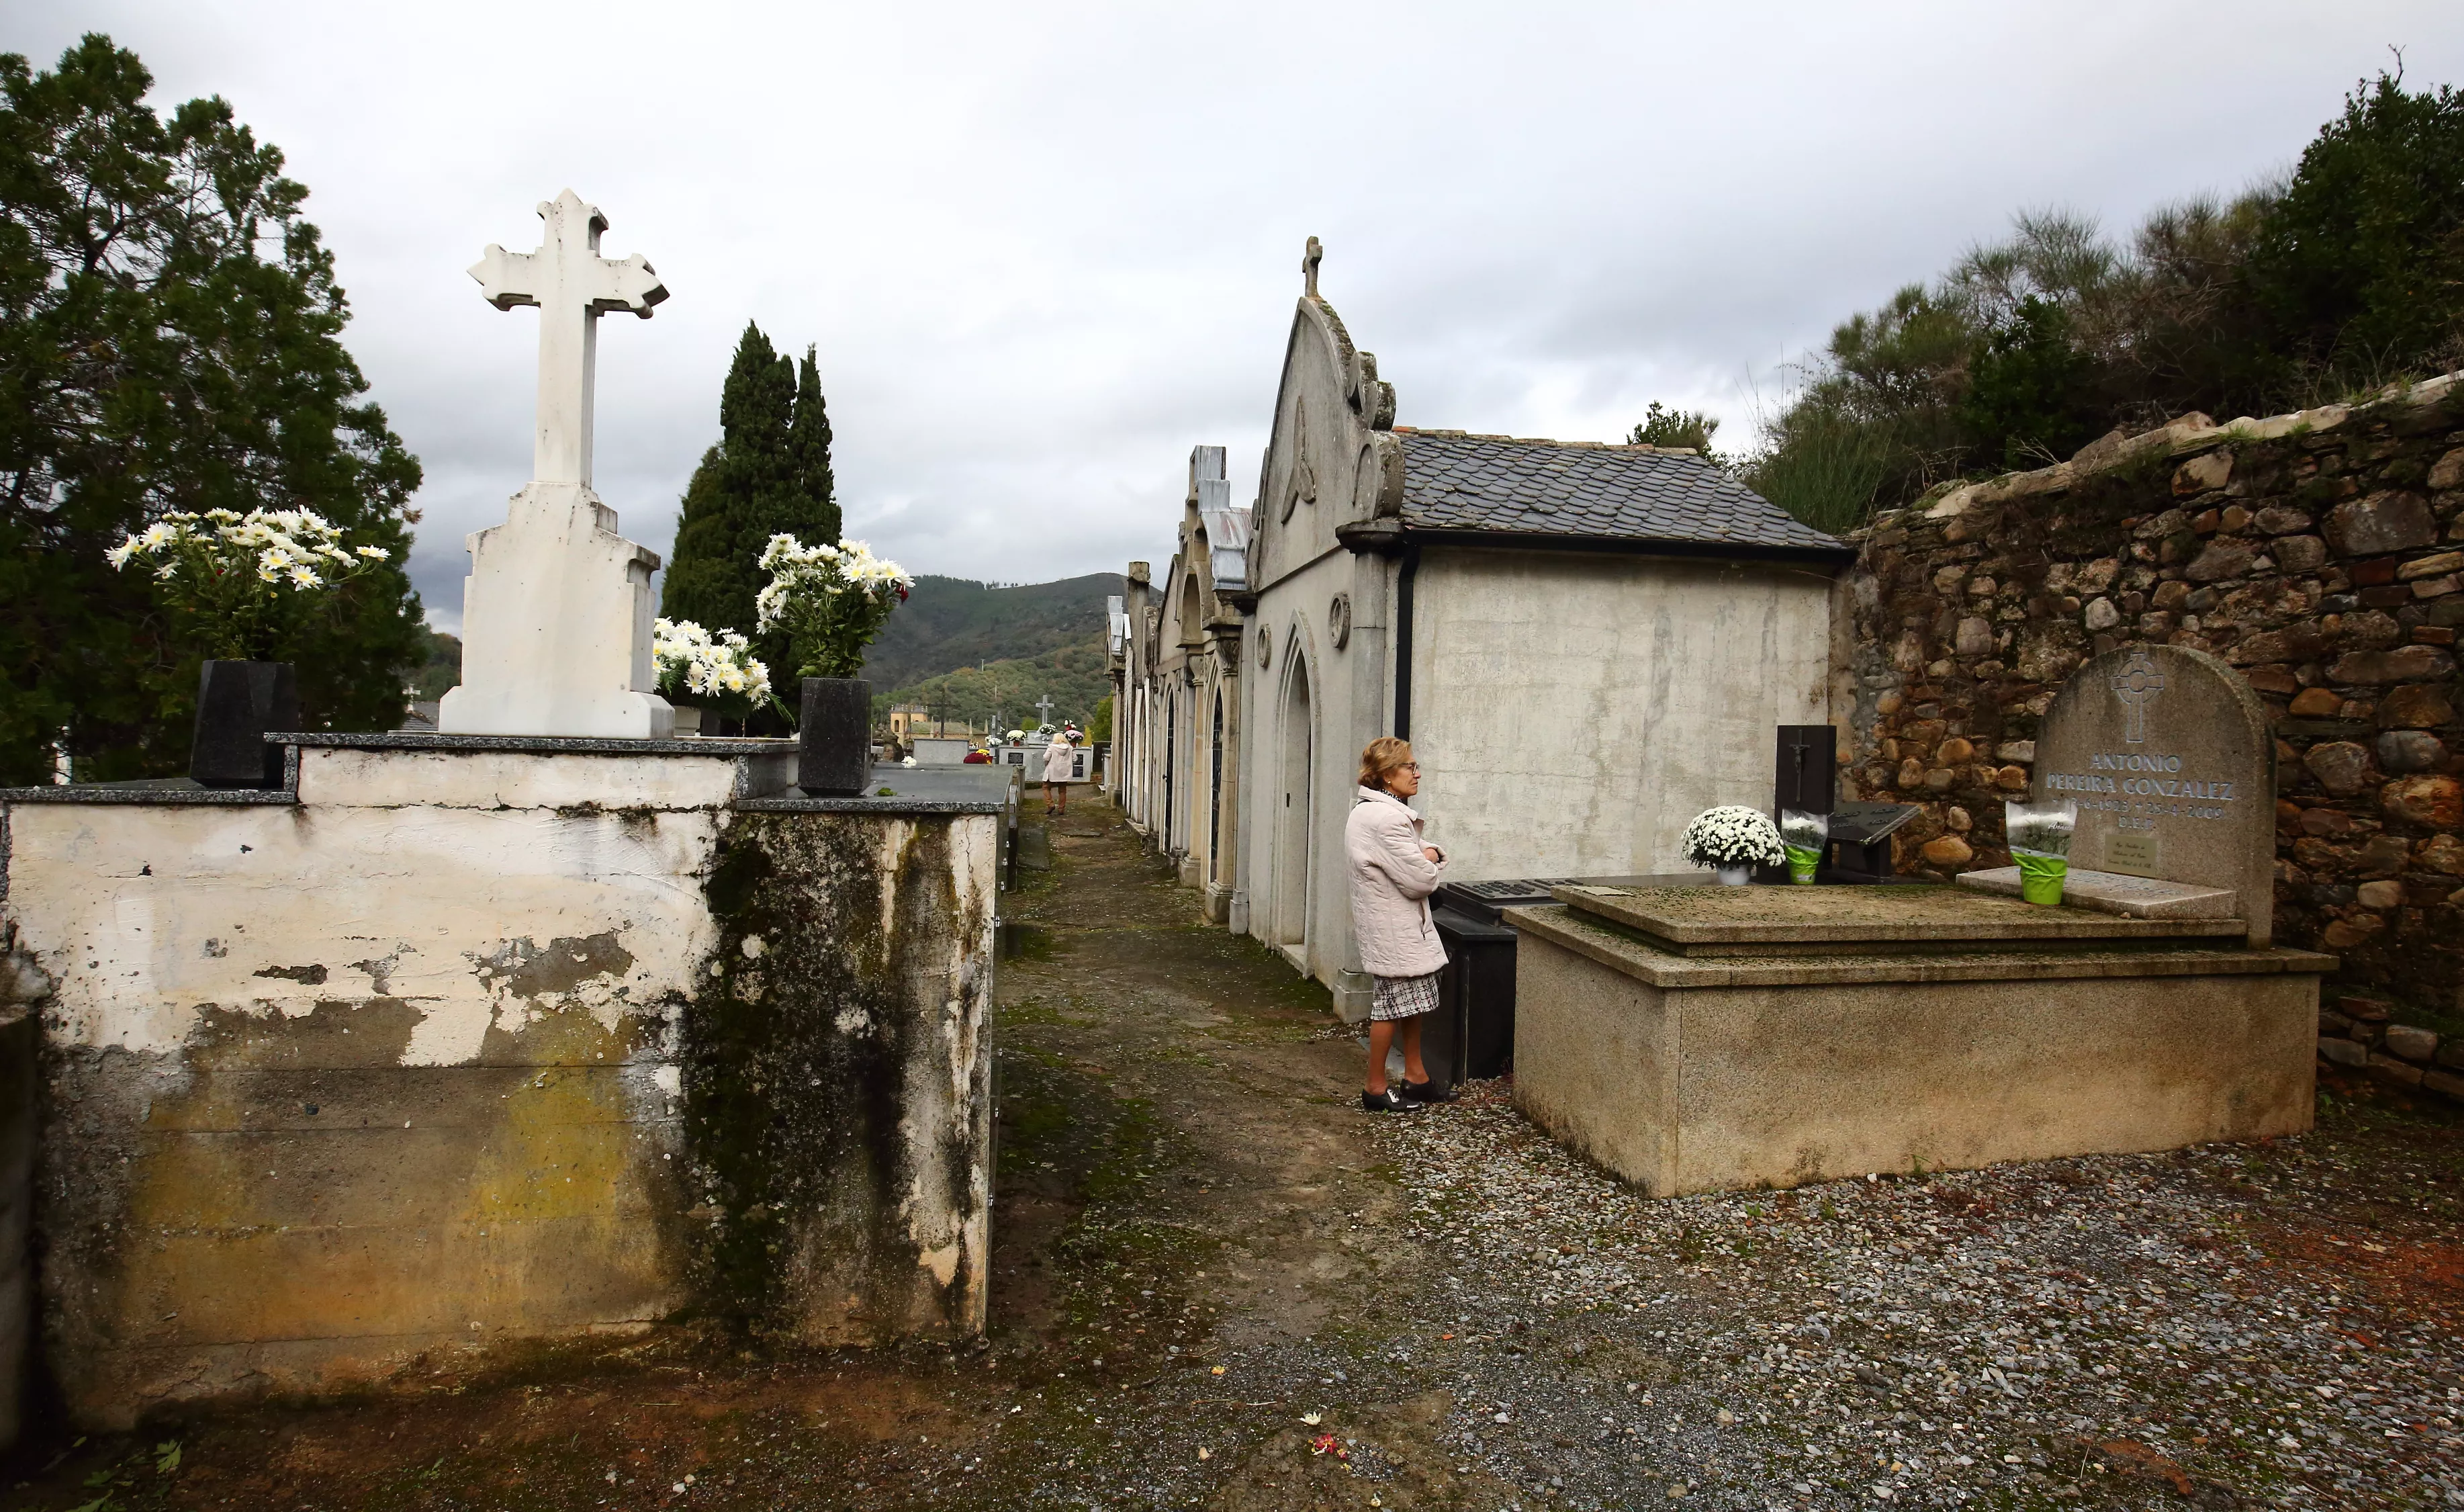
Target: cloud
[1044, 251]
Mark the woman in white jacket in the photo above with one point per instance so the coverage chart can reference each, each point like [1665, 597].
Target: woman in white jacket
[1056, 775]
[1392, 874]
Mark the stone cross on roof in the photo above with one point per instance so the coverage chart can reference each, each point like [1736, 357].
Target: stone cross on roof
[571, 284]
[2137, 687]
[1310, 260]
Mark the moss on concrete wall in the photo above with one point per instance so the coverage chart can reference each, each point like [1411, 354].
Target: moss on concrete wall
[836, 1082]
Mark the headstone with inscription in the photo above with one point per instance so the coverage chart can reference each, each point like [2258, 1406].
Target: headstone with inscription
[2166, 752]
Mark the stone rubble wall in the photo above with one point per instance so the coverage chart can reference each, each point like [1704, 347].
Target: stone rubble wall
[2321, 553]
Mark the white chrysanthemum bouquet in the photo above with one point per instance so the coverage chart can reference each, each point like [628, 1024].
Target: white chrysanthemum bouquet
[245, 579]
[1803, 835]
[1734, 835]
[718, 673]
[830, 601]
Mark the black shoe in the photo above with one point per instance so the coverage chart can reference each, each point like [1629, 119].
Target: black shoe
[1389, 1101]
[1428, 1092]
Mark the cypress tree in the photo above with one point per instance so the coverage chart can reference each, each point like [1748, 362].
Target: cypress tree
[808, 445]
[770, 472]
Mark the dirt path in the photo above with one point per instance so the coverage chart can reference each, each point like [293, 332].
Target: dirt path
[1215, 1286]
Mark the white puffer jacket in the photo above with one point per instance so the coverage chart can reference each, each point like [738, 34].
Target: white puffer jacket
[1391, 884]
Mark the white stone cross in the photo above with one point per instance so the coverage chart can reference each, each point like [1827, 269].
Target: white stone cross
[572, 285]
[1043, 712]
[2137, 687]
[557, 610]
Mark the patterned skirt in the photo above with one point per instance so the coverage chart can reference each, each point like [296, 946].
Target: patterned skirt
[1402, 996]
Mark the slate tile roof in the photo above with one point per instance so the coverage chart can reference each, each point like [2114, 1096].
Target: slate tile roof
[1457, 481]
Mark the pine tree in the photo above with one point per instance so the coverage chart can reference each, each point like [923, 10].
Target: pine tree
[170, 338]
[769, 472]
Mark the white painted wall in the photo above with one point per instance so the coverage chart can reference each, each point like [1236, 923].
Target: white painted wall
[419, 866]
[1345, 697]
[1573, 711]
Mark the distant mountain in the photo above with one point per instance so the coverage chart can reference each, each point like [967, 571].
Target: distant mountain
[948, 623]
[1074, 678]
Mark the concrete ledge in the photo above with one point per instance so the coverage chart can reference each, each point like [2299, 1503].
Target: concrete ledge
[1637, 958]
[2114, 893]
[1727, 919]
[529, 744]
[165, 796]
[174, 791]
[859, 803]
[911, 789]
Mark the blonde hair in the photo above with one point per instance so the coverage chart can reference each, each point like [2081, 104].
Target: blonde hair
[1384, 754]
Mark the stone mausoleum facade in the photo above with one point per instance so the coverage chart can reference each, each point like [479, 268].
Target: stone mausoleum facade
[1587, 645]
[1177, 707]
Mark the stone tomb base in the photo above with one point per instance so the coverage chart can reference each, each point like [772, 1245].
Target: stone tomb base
[1706, 1039]
[456, 1046]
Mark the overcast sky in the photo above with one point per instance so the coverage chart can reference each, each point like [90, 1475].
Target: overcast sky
[1046, 250]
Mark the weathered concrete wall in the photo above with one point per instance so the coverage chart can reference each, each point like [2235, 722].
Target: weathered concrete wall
[408, 1070]
[20, 1046]
[2318, 553]
[838, 1080]
[1573, 712]
[1933, 1063]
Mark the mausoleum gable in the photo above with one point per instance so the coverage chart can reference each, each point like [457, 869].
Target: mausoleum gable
[1453, 480]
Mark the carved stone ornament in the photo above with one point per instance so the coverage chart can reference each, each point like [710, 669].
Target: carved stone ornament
[1266, 645]
[1338, 620]
[1304, 486]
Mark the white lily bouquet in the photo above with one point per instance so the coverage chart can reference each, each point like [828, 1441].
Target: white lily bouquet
[249, 580]
[1803, 835]
[1732, 838]
[718, 672]
[2040, 843]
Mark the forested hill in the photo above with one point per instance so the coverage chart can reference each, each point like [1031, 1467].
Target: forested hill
[948, 622]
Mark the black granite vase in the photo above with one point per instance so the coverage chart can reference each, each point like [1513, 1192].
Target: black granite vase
[834, 742]
[237, 703]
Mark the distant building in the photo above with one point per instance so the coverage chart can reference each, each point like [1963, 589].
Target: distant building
[1587, 645]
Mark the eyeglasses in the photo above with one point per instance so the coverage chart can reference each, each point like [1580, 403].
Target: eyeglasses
[1409, 765]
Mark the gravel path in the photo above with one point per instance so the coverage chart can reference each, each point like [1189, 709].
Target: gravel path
[2058, 1329]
